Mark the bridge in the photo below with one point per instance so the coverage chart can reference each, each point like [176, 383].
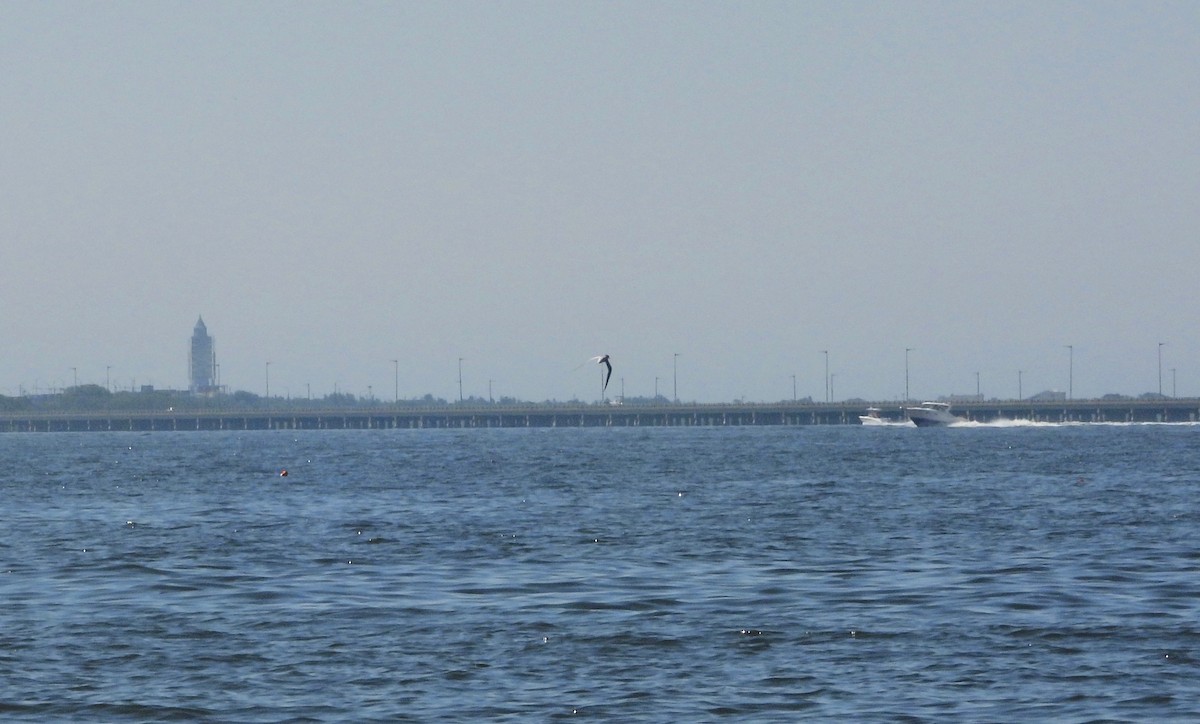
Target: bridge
[583, 415]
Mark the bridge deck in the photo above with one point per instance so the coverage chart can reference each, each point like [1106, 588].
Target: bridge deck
[383, 417]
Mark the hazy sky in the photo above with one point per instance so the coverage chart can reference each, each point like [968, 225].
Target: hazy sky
[334, 186]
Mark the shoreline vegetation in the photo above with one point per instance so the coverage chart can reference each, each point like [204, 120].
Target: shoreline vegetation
[96, 398]
[90, 407]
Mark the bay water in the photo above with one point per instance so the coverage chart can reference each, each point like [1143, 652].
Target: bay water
[982, 573]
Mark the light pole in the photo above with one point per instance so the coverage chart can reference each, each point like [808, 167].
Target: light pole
[1019, 395]
[656, 389]
[268, 395]
[75, 376]
[1160, 346]
[1172, 382]
[396, 388]
[978, 394]
[460, 397]
[675, 376]
[1070, 371]
[831, 386]
[826, 353]
[906, 395]
[793, 388]
[107, 377]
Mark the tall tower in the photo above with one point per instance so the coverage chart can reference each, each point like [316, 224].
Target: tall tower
[202, 361]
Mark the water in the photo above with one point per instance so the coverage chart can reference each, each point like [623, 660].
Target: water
[773, 574]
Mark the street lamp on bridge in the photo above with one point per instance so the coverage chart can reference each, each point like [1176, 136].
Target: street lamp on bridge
[1159, 369]
[906, 351]
[1070, 370]
[675, 376]
[826, 353]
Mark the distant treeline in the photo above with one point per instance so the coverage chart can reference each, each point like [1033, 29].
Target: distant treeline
[95, 398]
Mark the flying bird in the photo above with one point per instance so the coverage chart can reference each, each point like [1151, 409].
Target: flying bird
[603, 360]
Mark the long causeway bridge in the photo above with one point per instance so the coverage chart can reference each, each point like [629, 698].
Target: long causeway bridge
[583, 415]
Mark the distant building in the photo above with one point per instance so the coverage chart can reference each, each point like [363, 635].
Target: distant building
[202, 361]
[1049, 396]
[962, 398]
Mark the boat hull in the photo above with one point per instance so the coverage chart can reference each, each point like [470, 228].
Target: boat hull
[929, 415]
[923, 421]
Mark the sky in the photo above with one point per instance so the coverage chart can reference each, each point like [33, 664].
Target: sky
[716, 194]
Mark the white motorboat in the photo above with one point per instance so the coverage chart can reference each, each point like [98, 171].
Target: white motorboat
[932, 414]
[874, 419]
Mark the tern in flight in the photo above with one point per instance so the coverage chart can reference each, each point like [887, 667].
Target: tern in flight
[603, 360]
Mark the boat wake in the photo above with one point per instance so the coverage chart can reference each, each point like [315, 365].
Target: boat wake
[1010, 423]
[1006, 422]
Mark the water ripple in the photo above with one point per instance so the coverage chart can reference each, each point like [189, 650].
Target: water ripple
[633, 575]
